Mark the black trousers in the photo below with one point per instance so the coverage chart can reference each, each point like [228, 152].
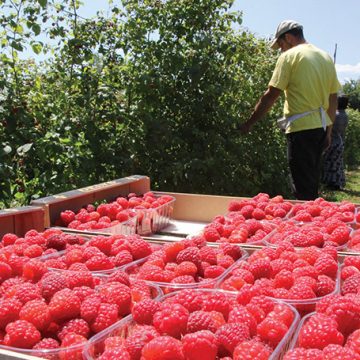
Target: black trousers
[304, 151]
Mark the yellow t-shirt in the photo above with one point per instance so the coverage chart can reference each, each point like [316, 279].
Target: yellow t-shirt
[307, 76]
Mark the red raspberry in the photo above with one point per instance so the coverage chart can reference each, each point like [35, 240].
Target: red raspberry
[301, 291]
[351, 284]
[37, 313]
[33, 251]
[5, 271]
[191, 300]
[172, 250]
[56, 241]
[9, 311]
[346, 313]
[119, 276]
[163, 348]
[77, 326]
[284, 279]
[118, 353]
[47, 344]
[271, 331]
[24, 292]
[340, 235]
[337, 352]
[232, 250]
[208, 254]
[213, 271]
[224, 261]
[258, 214]
[230, 335]
[283, 313]
[144, 311]
[171, 320]
[191, 254]
[52, 283]
[278, 265]
[21, 334]
[205, 320]
[326, 265]
[200, 345]
[324, 286]
[304, 354]
[186, 268]
[107, 314]
[251, 350]
[33, 270]
[241, 315]
[80, 278]
[352, 261]
[89, 308]
[139, 248]
[116, 293]
[217, 301]
[9, 239]
[64, 305]
[67, 217]
[319, 331]
[83, 292]
[211, 234]
[260, 268]
[99, 262]
[310, 254]
[140, 336]
[353, 341]
[123, 257]
[70, 340]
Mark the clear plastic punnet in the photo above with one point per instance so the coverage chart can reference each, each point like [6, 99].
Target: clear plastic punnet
[134, 270]
[150, 221]
[124, 328]
[75, 352]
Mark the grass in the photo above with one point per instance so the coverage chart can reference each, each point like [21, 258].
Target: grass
[351, 191]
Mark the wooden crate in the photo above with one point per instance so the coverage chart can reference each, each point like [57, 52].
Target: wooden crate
[76, 199]
[21, 219]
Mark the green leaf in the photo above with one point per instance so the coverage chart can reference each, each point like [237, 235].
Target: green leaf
[36, 28]
[37, 47]
[17, 46]
[43, 3]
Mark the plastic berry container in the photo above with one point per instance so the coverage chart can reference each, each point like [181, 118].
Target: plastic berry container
[150, 221]
[133, 269]
[303, 306]
[124, 328]
[75, 352]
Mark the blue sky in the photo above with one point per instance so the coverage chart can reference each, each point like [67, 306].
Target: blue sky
[326, 23]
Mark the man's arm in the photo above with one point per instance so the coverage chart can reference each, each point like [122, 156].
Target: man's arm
[332, 113]
[261, 108]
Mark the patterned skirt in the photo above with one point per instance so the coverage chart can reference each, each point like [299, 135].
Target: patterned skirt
[333, 164]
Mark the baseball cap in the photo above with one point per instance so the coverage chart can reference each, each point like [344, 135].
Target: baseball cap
[283, 28]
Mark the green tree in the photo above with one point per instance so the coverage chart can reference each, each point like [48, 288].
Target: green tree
[351, 88]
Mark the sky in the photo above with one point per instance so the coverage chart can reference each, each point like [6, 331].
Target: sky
[325, 22]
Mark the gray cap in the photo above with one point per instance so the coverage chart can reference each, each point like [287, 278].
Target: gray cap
[283, 28]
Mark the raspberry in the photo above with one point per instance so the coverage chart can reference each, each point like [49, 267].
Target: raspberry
[163, 348]
[230, 335]
[304, 354]
[258, 214]
[51, 284]
[191, 254]
[33, 270]
[346, 313]
[46, 344]
[217, 301]
[144, 311]
[5, 271]
[21, 334]
[271, 331]
[118, 353]
[213, 271]
[280, 264]
[171, 320]
[353, 341]
[319, 331]
[208, 254]
[284, 279]
[89, 308]
[9, 311]
[57, 242]
[64, 305]
[119, 276]
[116, 293]
[225, 261]
[123, 257]
[67, 217]
[190, 299]
[77, 326]
[240, 314]
[340, 235]
[337, 352]
[33, 251]
[204, 320]
[70, 340]
[260, 268]
[24, 292]
[172, 250]
[138, 338]
[352, 261]
[282, 313]
[80, 278]
[200, 345]
[309, 254]
[37, 313]
[251, 350]
[99, 262]
[324, 286]
[106, 315]
[211, 234]
[139, 248]
[186, 268]
[351, 285]
[9, 239]
[264, 302]
[326, 265]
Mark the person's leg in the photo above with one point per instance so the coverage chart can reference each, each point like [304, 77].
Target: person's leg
[304, 159]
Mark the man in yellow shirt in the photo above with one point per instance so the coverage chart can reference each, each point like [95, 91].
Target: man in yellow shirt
[307, 76]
